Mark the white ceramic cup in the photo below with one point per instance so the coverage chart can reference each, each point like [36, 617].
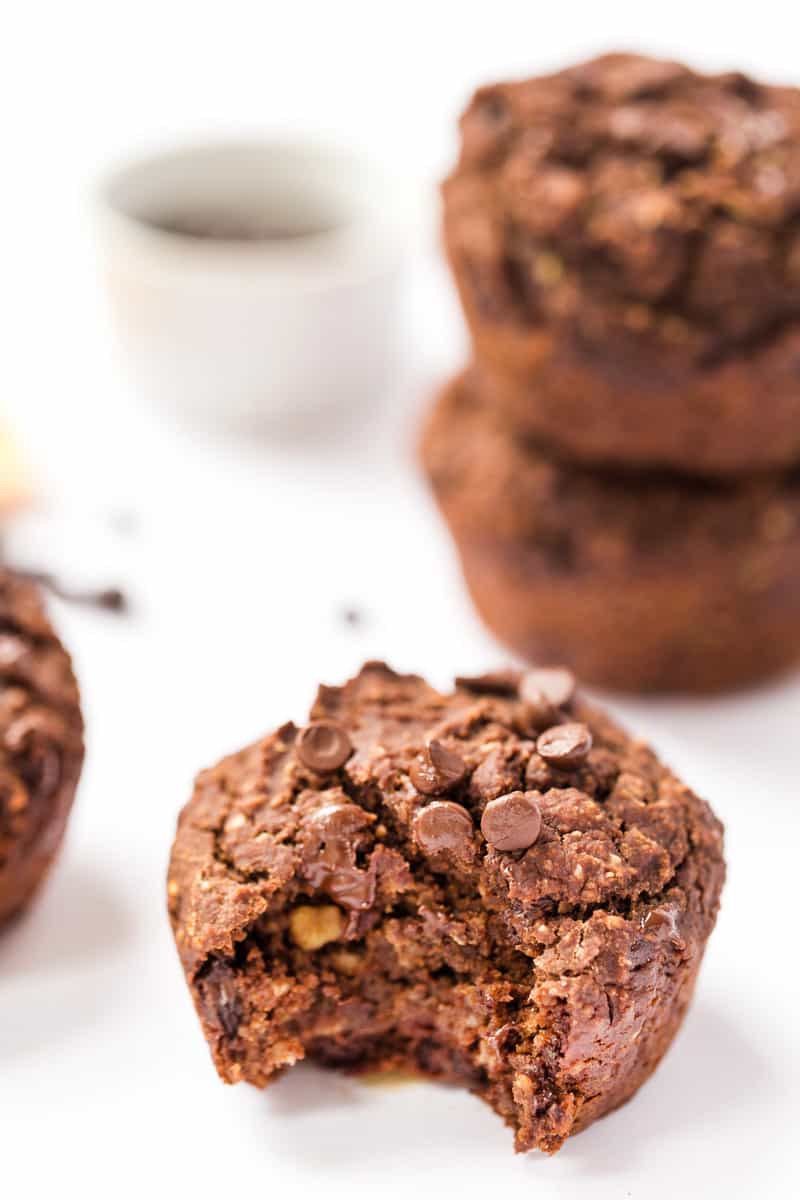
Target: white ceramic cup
[256, 283]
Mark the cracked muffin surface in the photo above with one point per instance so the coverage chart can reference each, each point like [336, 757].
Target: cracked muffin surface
[41, 742]
[625, 235]
[496, 887]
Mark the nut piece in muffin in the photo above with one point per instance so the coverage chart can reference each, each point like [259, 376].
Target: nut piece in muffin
[625, 238]
[41, 743]
[528, 924]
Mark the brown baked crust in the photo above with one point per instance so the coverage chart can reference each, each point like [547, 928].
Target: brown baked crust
[741, 417]
[638, 581]
[41, 742]
[658, 635]
[549, 979]
[626, 233]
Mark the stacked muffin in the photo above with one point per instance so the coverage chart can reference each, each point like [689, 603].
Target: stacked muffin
[620, 465]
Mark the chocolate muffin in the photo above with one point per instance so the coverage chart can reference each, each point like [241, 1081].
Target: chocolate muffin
[625, 236]
[41, 742]
[496, 887]
[640, 581]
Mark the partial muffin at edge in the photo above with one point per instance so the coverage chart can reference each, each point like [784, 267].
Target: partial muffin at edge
[41, 742]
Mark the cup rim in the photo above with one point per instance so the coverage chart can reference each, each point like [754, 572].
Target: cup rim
[376, 233]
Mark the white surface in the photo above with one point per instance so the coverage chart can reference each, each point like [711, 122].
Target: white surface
[244, 558]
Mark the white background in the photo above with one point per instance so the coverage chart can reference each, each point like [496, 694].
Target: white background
[242, 562]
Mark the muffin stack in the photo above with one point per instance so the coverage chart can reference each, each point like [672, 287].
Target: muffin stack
[620, 464]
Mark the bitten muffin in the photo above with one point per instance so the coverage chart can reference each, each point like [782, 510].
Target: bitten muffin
[625, 236]
[41, 743]
[645, 582]
[496, 887]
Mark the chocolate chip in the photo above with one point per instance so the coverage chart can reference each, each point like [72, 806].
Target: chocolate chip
[221, 1003]
[565, 745]
[351, 887]
[512, 822]
[111, 599]
[492, 107]
[663, 921]
[498, 683]
[436, 769]
[331, 841]
[444, 828]
[556, 684]
[324, 746]
[535, 714]
[338, 824]
[486, 126]
[494, 776]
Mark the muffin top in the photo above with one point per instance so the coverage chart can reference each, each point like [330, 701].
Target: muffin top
[508, 801]
[634, 198]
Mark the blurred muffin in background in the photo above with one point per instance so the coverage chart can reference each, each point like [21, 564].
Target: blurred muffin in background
[624, 236]
[641, 582]
[620, 465]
